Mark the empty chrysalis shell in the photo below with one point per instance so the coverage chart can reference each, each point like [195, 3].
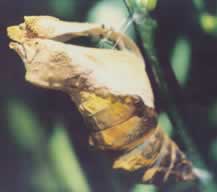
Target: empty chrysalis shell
[110, 87]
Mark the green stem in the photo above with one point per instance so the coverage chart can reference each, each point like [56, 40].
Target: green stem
[145, 31]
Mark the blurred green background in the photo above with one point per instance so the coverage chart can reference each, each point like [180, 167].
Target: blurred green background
[43, 139]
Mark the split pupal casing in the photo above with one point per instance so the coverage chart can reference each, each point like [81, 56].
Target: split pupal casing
[110, 88]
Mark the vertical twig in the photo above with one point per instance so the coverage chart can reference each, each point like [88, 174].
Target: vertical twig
[145, 28]
[145, 32]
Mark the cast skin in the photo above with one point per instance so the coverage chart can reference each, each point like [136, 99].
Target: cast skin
[110, 88]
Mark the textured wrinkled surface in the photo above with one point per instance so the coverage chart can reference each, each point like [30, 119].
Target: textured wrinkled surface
[38, 37]
[110, 88]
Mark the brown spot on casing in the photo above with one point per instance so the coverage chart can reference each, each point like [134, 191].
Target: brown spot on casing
[143, 155]
[121, 136]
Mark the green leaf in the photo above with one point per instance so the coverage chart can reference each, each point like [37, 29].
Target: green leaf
[24, 126]
[66, 163]
[181, 60]
[144, 188]
[44, 180]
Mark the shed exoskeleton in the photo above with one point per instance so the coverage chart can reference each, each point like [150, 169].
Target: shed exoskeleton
[110, 88]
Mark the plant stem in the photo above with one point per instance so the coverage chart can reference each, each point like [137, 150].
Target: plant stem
[145, 29]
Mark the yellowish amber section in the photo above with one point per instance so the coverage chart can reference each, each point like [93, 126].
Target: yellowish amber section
[15, 33]
[91, 103]
[118, 137]
[144, 155]
[114, 114]
[104, 113]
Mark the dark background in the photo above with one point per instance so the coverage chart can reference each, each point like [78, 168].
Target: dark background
[175, 19]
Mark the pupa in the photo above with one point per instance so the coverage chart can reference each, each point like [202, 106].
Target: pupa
[110, 88]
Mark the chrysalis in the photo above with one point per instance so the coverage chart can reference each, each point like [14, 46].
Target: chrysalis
[110, 87]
